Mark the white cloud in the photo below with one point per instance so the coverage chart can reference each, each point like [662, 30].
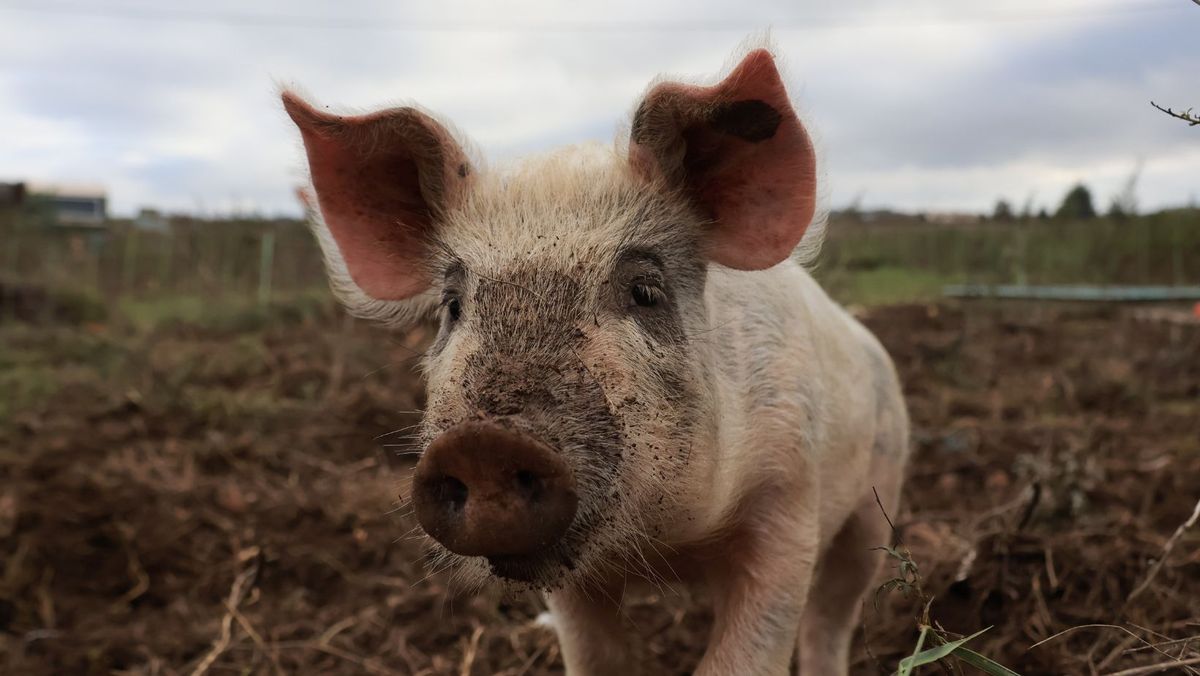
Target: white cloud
[936, 104]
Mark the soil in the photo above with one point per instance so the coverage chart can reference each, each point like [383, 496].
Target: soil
[224, 500]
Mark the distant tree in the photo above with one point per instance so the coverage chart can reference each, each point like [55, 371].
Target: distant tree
[1077, 205]
[1043, 215]
[853, 211]
[1002, 211]
[1124, 203]
[1026, 214]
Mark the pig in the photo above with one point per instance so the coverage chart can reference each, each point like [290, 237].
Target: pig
[634, 378]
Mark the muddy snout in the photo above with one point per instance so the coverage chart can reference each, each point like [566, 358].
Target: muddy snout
[484, 490]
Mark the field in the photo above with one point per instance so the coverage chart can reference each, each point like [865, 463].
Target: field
[210, 484]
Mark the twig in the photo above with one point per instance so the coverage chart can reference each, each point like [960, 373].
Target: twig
[1185, 115]
[891, 525]
[1154, 668]
[139, 574]
[337, 628]
[1148, 644]
[1122, 647]
[1165, 553]
[270, 652]
[533, 658]
[469, 655]
[1185, 642]
[241, 584]
[366, 663]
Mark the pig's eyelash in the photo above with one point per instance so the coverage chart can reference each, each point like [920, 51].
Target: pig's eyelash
[647, 290]
[646, 294]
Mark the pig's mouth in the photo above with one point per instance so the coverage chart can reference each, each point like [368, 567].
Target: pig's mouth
[549, 568]
[529, 569]
[556, 564]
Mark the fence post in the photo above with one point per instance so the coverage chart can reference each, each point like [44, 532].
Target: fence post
[1177, 276]
[1022, 253]
[266, 261]
[129, 262]
[14, 252]
[165, 249]
[13, 245]
[227, 247]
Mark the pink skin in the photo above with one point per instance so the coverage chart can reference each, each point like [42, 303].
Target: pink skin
[787, 553]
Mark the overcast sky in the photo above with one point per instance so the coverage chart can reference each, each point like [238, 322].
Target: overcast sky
[921, 104]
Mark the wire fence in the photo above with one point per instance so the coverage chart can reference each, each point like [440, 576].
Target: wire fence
[213, 259]
[259, 261]
[1161, 249]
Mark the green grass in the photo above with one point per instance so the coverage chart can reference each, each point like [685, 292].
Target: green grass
[232, 312]
[26, 386]
[187, 349]
[945, 648]
[213, 366]
[883, 286]
[909, 261]
[38, 362]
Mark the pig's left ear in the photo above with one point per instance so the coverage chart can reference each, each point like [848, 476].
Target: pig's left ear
[738, 150]
[382, 183]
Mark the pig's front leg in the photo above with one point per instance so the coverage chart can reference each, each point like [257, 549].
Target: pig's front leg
[590, 632]
[759, 589]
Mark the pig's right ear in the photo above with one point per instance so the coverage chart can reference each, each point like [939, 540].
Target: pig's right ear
[382, 183]
[738, 151]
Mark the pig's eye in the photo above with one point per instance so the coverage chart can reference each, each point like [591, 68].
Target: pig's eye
[645, 295]
[453, 307]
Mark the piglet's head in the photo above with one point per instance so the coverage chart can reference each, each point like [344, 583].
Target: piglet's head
[567, 414]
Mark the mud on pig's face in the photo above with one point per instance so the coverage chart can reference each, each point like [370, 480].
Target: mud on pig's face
[568, 417]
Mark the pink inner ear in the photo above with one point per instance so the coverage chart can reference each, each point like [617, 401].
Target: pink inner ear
[748, 162]
[367, 172]
[375, 215]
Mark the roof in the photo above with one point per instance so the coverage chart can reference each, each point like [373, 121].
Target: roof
[85, 190]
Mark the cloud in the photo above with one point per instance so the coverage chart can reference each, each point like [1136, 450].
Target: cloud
[935, 104]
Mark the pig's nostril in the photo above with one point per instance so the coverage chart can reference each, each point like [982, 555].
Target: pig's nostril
[529, 485]
[451, 492]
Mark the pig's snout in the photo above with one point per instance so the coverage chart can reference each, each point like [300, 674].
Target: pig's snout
[484, 490]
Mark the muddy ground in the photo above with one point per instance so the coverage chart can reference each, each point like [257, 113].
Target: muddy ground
[222, 499]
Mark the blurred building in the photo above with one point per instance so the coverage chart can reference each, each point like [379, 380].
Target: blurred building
[12, 195]
[883, 216]
[151, 219]
[77, 205]
[952, 217]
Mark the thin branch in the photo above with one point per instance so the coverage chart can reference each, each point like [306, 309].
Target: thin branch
[1166, 552]
[1155, 668]
[1185, 115]
[241, 586]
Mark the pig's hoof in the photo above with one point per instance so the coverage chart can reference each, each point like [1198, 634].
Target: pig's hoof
[484, 490]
